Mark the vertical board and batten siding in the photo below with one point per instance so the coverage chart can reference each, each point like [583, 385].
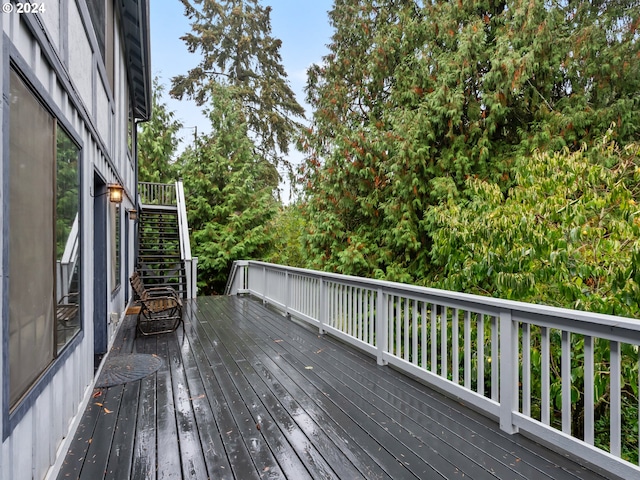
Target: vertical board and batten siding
[477, 349]
[86, 105]
[2, 236]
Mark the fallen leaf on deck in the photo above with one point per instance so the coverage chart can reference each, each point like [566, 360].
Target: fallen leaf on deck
[309, 368]
[99, 404]
[277, 341]
[97, 394]
[266, 469]
[196, 398]
[320, 351]
[106, 410]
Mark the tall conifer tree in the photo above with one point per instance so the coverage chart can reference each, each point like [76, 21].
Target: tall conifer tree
[230, 194]
[237, 48]
[158, 141]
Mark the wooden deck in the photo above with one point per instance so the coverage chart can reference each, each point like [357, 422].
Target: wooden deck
[245, 393]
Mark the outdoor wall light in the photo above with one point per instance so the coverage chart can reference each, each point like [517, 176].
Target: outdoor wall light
[133, 214]
[115, 193]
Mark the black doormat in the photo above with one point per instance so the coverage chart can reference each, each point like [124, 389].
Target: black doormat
[127, 368]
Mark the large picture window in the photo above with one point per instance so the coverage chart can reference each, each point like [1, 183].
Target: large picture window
[43, 211]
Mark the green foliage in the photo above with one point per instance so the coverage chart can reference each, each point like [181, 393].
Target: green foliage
[230, 194]
[157, 142]
[417, 98]
[286, 228]
[567, 234]
[234, 39]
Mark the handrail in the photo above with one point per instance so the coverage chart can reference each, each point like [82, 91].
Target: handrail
[236, 282]
[67, 263]
[157, 193]
[190, 263]
[228, 289]
[485, 351]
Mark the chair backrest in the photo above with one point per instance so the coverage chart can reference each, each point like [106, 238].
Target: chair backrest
[138, 286]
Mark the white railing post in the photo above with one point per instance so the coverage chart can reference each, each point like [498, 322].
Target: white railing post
[508, 372]
[264, 285]
[194, 277]
[381, 326]
[323, 307]
[187, 274]
[287, 294]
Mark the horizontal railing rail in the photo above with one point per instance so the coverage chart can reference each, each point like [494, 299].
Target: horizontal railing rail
[553, 374]
[157, 193]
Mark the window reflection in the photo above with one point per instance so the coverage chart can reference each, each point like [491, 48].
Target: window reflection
[67, 239]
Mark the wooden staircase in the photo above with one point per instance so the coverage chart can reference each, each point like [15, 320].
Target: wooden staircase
[159, 261]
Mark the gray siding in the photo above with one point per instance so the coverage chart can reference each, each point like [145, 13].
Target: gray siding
[57, 53]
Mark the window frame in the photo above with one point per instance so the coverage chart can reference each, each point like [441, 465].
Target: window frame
[13, 414]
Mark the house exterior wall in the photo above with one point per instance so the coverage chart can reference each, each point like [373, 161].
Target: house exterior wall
[57, 53]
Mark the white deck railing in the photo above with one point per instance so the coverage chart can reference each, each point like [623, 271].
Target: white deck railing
[513, 361]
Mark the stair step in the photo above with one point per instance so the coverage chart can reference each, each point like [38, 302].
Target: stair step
[161, 234]
[159, 259]
[159, 253]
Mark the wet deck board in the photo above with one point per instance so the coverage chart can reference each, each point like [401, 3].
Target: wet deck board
[246, 393]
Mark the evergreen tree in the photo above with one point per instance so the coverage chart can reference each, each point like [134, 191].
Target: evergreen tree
[234, 39]
[230, 193]
[347, 146]
[417, 97]
[157, 142]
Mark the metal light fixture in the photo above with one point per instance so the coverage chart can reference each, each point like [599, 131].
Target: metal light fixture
[133, 214]
[115, 193]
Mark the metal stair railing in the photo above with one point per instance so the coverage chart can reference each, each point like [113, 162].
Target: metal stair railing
[157, 193]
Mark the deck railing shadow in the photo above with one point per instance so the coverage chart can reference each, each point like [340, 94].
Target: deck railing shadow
[559, 376]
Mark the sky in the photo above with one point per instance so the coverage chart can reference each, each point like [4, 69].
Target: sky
[302, 25]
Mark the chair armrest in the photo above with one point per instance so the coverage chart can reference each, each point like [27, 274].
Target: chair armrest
[68, 296]
[161, 290]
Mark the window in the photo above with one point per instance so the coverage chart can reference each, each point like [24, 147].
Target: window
[98, 18]
[109, 54]
[102, 17]
[43, 207]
